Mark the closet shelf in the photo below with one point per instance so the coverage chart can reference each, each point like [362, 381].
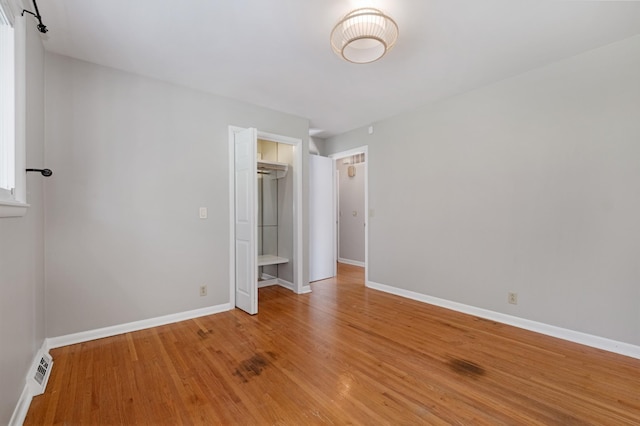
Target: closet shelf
[272, 166]
[269, 259]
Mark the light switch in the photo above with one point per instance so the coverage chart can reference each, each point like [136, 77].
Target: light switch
[203, 212]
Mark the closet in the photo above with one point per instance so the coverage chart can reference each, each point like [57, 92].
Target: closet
[265, 194]
[275, 213]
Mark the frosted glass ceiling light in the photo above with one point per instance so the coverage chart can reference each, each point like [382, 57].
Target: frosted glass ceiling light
[364, 35]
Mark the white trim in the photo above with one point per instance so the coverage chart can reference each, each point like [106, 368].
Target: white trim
[270, 280]
[267, 283]
[24, 402]
[336, 217]
[85, 336]
[13, 209]
[20, 28]
[362, 149]
[267, 280]
[598, 342]
[232, 215]
[279, 138]
[287, 285]
[22, 407]
[16, 204]
[305, 290]
[351, 262]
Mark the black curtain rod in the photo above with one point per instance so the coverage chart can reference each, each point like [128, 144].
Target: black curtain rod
[41, 27]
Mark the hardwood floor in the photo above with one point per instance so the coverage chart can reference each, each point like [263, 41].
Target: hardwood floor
[342, 354]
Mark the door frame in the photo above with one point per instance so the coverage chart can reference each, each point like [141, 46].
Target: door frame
[298, 264]
[338, 156]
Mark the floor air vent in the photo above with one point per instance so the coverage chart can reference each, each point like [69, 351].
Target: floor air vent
[41, 371]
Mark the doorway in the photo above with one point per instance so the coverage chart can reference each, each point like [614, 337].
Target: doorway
[351, 182]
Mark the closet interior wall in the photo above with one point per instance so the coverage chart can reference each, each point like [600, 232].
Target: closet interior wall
[275, 210]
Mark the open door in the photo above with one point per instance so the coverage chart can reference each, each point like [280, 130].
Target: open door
[321, 219]
[246, 247]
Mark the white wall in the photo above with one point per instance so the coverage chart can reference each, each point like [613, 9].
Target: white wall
[313, 145]
[529, 185]
[21, 251]
[134, 160]
[351, 243]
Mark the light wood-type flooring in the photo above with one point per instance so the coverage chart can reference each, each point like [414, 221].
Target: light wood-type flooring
[343, 354]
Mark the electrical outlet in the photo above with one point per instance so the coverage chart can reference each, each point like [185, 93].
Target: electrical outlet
[203, 290]
[513, 298]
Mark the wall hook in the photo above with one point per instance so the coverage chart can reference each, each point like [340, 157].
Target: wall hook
[44, 172]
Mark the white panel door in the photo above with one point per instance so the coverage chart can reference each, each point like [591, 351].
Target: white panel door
[246, 221]
[321, 218]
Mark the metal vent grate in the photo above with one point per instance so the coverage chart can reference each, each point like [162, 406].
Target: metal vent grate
[41, 371]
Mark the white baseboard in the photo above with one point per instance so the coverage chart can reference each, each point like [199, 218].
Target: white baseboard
[85, 336]
[351, 262]
[286, 284]
[267, 281]
[22, 408]
[305, 289]
[24, 402]
[290, 286]
[598, 342]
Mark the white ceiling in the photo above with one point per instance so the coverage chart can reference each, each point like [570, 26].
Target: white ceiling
[276, 53]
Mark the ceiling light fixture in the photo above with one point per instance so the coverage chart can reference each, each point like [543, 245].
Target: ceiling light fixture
[364, 35]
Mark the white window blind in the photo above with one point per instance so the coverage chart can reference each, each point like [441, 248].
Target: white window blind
[7, 105]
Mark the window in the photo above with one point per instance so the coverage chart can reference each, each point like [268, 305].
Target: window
[7, 108]
[12, 111]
